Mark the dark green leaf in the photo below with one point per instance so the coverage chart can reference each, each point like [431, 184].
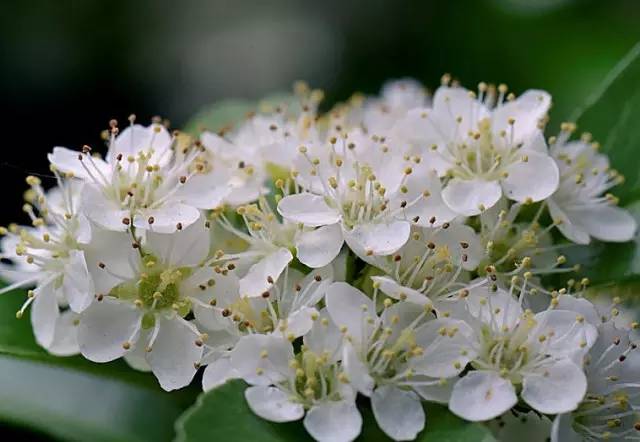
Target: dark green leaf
[75, 399]
[222, 414]
[611, 114]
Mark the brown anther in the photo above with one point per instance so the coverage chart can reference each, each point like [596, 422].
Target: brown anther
[226, 312]
[317, 278]
[126, 221]
[265, 295]
[101, 265]
[183, 179]
[179, 226]
[151, 220]
[269, 279]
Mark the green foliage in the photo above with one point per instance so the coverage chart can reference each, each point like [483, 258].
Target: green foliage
[75, 399]
[223, 414]
[611, 114]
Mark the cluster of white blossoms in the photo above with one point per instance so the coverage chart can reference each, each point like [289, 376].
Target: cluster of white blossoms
[398, 248]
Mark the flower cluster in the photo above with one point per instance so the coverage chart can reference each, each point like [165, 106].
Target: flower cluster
[398, 248]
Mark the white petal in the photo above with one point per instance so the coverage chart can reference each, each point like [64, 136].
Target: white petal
[468, 197]
[174, 353]
[317, 248]
[357, 372]
[103, 211]
[204, 191]
[67, 160]
[217, 373]
[273, 404]
[65, 338]
[425, 181]
[398, 412]
[105, 326]
[570, 228]
[167, 217]
[324, 336]
[535, 179]
[44, 314]
[443, 353]
[300, 322]
[136, 138]
[566, 333]
[136, 358]
[333, 422]
[391, 288]
[382, 238]
[453, 103]
[527, 111]
[581, 306]
[607, 223]
[255, 282]
[439, 392]
[114, 250]
[482, 395]
[348, 307]
[557, 388]
[186, 247]
[262, 359]
[483, 303]
[308, 209]
[77, 285]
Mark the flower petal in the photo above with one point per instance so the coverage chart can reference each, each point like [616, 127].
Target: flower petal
[566, 333]
[317, 248]
[570, 228]
[471, 197]
[167, 218]
[482, 395]
[45, 313]
[348, 308]
[273, 404]
[67, 160]
[562, 429]
[217, 373]
[527, 110]
[357, 372]
[308, 209]
[105, 326]
[136, 138]
[398, 412]
[556, 388]
[256, 281]
[382, 238]
[65, 338]
[204, 191]
[423, 183]
[77, 285]
[101, 210]
[536, 178]
[607, 223]
[262, 359]
[391, 288]
[333, 421]
[174, 353]
[186, 247]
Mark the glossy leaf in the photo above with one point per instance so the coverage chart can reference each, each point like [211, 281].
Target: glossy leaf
[223, 414]
[75, 399]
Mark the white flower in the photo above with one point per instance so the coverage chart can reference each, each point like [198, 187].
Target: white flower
[581, 207]
[148, 181]
[484, 152]
[431, 266]
[521, 354]
[610, 410]
[359, 190]
[285, 386]
[49, 255]
[398, 357]
[144, 293]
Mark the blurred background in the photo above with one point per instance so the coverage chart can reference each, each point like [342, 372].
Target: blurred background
[67, 67]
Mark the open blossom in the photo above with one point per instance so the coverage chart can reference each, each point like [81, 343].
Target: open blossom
[581, 206]
[49, 256]
[285, 387]
[610, 409]
[397, 97]
[398, 357]
[521, 355]
[358, 190]
[484, 151]
[144, 293]
[144, 181]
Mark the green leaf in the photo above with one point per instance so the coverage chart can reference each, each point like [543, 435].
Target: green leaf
[75, 399]
[611, 114]
[222, 414]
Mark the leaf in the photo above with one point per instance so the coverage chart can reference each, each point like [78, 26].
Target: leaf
[73, 398]
[223, 414]
[611, 115]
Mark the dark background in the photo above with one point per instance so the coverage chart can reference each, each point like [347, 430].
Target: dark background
[67, 67]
